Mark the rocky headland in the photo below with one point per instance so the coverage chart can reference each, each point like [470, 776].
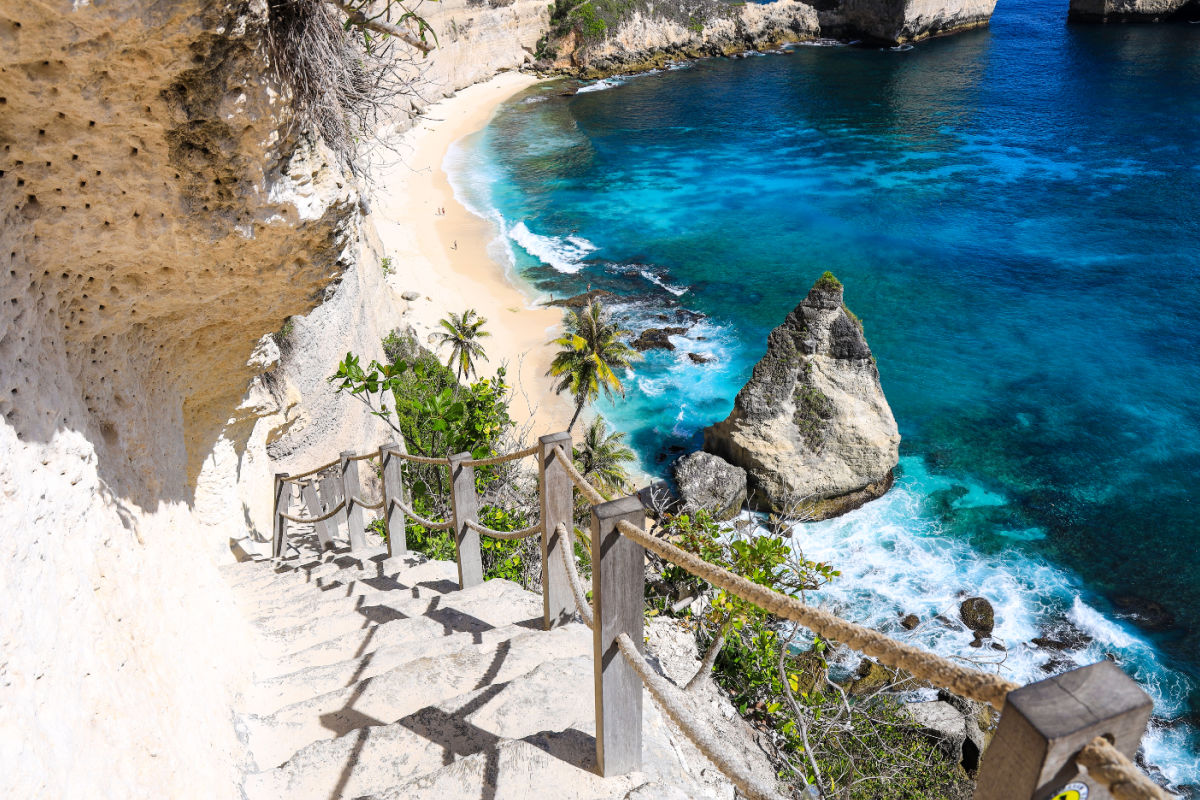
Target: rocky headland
[812, 427]
[1130, 10]
[898, 22]
[596, 38]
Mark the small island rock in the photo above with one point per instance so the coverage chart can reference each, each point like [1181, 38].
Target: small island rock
[657, 339]
[811, 426]
[978, 615]
[711, 483]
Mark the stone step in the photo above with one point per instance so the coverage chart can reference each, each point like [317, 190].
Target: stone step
[474, 611]
[369, 561]
[352, 619]
[294, 607]
[561, 766]
[426, 639]
[394, 694]
[372, 759]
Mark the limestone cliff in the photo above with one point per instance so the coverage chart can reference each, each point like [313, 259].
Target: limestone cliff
[161, 211]
[811, 426]
[595, 39]
[1130, 10]
[901, 21]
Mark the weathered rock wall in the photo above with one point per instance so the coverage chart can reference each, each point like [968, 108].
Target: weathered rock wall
[903, 21]
[1129, 10]
[650, 37]
[161, 211]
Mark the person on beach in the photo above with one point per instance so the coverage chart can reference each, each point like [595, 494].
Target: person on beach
[454, 245]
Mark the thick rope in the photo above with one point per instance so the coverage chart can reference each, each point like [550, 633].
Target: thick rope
[923, 665]
[524, 533]
[358, 501]
[364, 456]
[707, 741]
[513, 456]
[444, 462]
[568, 556]
[581, 483]
[428, 523]
[321, 518]
[296, 478]
[1109, 766]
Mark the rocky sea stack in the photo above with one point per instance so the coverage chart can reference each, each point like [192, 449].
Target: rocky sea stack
[812, 427]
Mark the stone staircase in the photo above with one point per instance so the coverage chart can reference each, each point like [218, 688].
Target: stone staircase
[379, 678]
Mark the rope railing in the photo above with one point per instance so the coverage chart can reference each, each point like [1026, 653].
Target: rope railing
[422, 521]
[618, 540]
[500, 459]
[923, 665]
[442, 462]
[707, 741]
[1107, 765]
[322, 518]
[310, 473]
[358, 501]
[568, 558]
[524, 533]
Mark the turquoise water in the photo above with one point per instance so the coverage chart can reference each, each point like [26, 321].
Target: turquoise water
[1015, 213]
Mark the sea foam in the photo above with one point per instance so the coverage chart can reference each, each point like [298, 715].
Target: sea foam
[564, 253]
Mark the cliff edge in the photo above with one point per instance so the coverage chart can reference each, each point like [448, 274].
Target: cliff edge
[811, 426]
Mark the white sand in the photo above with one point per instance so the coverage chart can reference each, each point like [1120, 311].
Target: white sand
[446, 259]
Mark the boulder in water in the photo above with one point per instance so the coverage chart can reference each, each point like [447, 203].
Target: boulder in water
[978, 615]
[657, 339]
[811, 427]
[710, 483]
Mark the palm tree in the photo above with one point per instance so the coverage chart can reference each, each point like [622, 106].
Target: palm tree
[601, 457]
[592, 351]
[462, 332]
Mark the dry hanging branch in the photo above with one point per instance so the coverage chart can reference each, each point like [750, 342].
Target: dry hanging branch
[341, 65]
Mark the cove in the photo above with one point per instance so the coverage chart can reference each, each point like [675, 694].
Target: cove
[1015, 213]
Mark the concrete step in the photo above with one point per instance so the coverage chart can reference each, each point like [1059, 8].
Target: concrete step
[474, 611]
[276, 611]
[375, 758]
[357, 618]
[401, 691]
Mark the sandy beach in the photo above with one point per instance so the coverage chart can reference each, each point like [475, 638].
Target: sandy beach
[444, 257]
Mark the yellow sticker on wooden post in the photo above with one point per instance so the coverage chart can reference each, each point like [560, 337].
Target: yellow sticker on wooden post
[1072, 791]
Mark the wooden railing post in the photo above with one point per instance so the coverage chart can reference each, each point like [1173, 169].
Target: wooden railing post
[465, 506]
[393, 493]
[328, 489]
[280, 505]
[1045, 724]
[556, 494]
[618, 589]
[313, 508]
[353, 512]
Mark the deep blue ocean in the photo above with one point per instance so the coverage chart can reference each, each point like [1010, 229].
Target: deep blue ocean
[1015, 214]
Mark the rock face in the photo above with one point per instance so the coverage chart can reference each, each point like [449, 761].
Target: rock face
[1129, 10]
[812, 427]
[902, 21]
[649, 36]
[710, 483]
[955, 731]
